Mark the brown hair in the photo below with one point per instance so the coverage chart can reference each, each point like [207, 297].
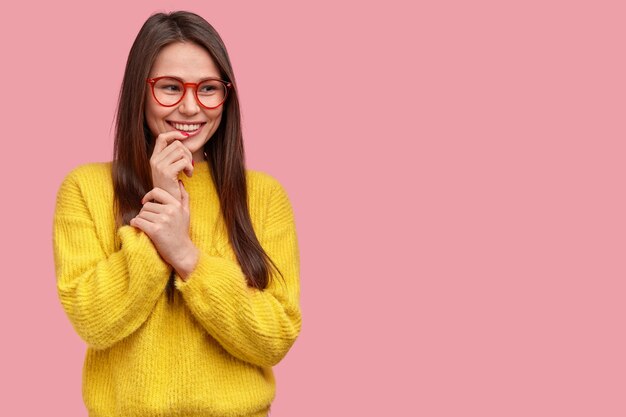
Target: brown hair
[134, 143]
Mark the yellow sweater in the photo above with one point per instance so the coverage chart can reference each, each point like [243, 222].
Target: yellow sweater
[210, 350]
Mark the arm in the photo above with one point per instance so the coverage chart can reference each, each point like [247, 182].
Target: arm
[256, 326]
[105, 297]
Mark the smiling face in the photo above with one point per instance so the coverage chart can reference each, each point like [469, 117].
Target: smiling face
[191, 63]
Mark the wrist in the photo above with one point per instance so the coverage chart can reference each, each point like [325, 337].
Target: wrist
[188, 261]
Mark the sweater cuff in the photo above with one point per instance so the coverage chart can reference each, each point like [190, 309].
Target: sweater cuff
[142, 250]
[213, 278]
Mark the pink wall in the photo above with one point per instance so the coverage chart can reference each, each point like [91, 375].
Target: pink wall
[457, 172]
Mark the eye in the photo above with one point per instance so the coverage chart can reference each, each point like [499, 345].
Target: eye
[207, 88]
[210, 88]
[170, 87]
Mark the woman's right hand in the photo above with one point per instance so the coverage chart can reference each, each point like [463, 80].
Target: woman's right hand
[169, 157]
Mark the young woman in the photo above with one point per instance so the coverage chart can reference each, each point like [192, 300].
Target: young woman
[178, 266]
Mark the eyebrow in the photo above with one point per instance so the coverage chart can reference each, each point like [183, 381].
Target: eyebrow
[185, 80]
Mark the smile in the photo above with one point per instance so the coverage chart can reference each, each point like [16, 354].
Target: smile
[186, 127]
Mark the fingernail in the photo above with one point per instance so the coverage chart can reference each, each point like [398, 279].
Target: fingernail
[193, 163]
[185, 133]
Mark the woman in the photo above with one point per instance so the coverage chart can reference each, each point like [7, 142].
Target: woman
[177, 266]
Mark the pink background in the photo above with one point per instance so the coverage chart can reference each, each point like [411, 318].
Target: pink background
[457, 173]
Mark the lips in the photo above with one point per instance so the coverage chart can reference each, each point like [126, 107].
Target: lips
[188, 128]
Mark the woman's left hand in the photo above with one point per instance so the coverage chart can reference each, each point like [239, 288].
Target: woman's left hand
[166, 222]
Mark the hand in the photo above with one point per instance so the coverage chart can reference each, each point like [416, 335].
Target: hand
[169, 157]
[166, 222]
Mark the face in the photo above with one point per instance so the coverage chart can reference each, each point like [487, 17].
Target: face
[191, 63]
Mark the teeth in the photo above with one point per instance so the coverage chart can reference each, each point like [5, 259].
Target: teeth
[186, 128]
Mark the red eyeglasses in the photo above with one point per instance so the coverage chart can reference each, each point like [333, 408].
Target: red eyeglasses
[210, 93]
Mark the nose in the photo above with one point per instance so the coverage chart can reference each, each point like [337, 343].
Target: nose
[188, 104]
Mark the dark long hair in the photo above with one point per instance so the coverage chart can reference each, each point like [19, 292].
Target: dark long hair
[134, 143]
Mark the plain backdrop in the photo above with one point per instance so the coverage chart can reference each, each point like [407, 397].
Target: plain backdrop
[457, 174]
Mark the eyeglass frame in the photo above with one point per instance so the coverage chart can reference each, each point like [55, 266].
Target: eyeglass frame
[152, 82]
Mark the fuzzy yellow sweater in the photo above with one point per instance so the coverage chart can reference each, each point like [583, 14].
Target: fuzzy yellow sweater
[207, 352]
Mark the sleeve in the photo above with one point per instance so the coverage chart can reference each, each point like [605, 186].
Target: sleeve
[256, 326]
[105, 297]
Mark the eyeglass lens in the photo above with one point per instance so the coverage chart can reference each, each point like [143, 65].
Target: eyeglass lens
[168, 91]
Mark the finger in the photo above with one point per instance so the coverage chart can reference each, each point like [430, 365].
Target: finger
[183, 165]
[178, 162]
[188, 170]
[165, 138]
[184, 196]
[141, 224]
[153, 207]
[160, 196]
[173, 153]
[176, 148]
[149, 216]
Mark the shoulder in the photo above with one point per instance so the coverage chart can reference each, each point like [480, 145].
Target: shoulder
[260, 179]
[89, 172]
[262, 183]
[267, 193]
[84, 180]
